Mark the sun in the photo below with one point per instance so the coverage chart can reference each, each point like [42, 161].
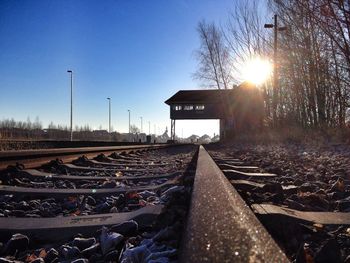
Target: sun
[257, 71]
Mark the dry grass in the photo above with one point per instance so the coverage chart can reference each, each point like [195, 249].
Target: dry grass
[296, 135]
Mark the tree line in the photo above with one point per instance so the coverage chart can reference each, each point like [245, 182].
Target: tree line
[12, 129]
[313, 58]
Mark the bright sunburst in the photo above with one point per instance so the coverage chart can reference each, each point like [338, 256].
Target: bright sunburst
[257, 70]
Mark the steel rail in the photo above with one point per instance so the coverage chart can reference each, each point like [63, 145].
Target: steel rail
[220, 226]
[35, 158]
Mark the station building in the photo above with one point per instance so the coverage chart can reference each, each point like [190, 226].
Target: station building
[239, 109]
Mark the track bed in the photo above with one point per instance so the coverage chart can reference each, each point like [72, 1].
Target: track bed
[117, 207]
[169, 204]
[301, 195]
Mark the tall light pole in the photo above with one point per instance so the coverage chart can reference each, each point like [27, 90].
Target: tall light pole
[71, 104]
[109, 115]
[129, 120]
[149, 128]
[141, 125]
[275, 66]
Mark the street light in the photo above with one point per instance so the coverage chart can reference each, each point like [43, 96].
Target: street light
[129, 120]
[109, 102]
[71, 104]
[141, 124]
[275, 72]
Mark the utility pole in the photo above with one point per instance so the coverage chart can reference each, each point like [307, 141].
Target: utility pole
[71, 104]
[275, 66]
[109, 102]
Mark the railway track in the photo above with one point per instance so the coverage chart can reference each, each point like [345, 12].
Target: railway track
[165, 203]
[97, 205]
[35, 158]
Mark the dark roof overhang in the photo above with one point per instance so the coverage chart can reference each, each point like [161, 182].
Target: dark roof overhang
[199, 96]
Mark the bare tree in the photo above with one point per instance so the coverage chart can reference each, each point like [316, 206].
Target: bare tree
[134, 129]
[313, 56]
[37, 123]
[247, 39]
[316, 60]
[213, 56]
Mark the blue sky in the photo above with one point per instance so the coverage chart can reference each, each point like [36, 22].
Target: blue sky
[138, 52]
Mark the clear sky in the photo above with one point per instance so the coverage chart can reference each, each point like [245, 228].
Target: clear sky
[138, 52]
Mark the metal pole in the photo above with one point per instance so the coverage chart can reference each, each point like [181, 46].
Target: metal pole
[71, 104]
[149, 128]
[109, 116]
[129, 120]
[275, 77]
[275, 66]
[141, 125]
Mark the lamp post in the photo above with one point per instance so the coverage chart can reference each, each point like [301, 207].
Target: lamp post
[71, 104]
[129, 120]
[141, 125]
[109, 115]
[275, 67]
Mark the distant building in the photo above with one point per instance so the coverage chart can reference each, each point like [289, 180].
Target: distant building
[238, 109]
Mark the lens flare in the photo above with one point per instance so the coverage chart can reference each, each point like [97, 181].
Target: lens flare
[257, 71]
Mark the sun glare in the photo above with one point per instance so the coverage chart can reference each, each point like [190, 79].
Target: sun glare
[257, 71]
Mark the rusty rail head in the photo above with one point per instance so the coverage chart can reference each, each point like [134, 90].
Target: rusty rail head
[221, 227]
